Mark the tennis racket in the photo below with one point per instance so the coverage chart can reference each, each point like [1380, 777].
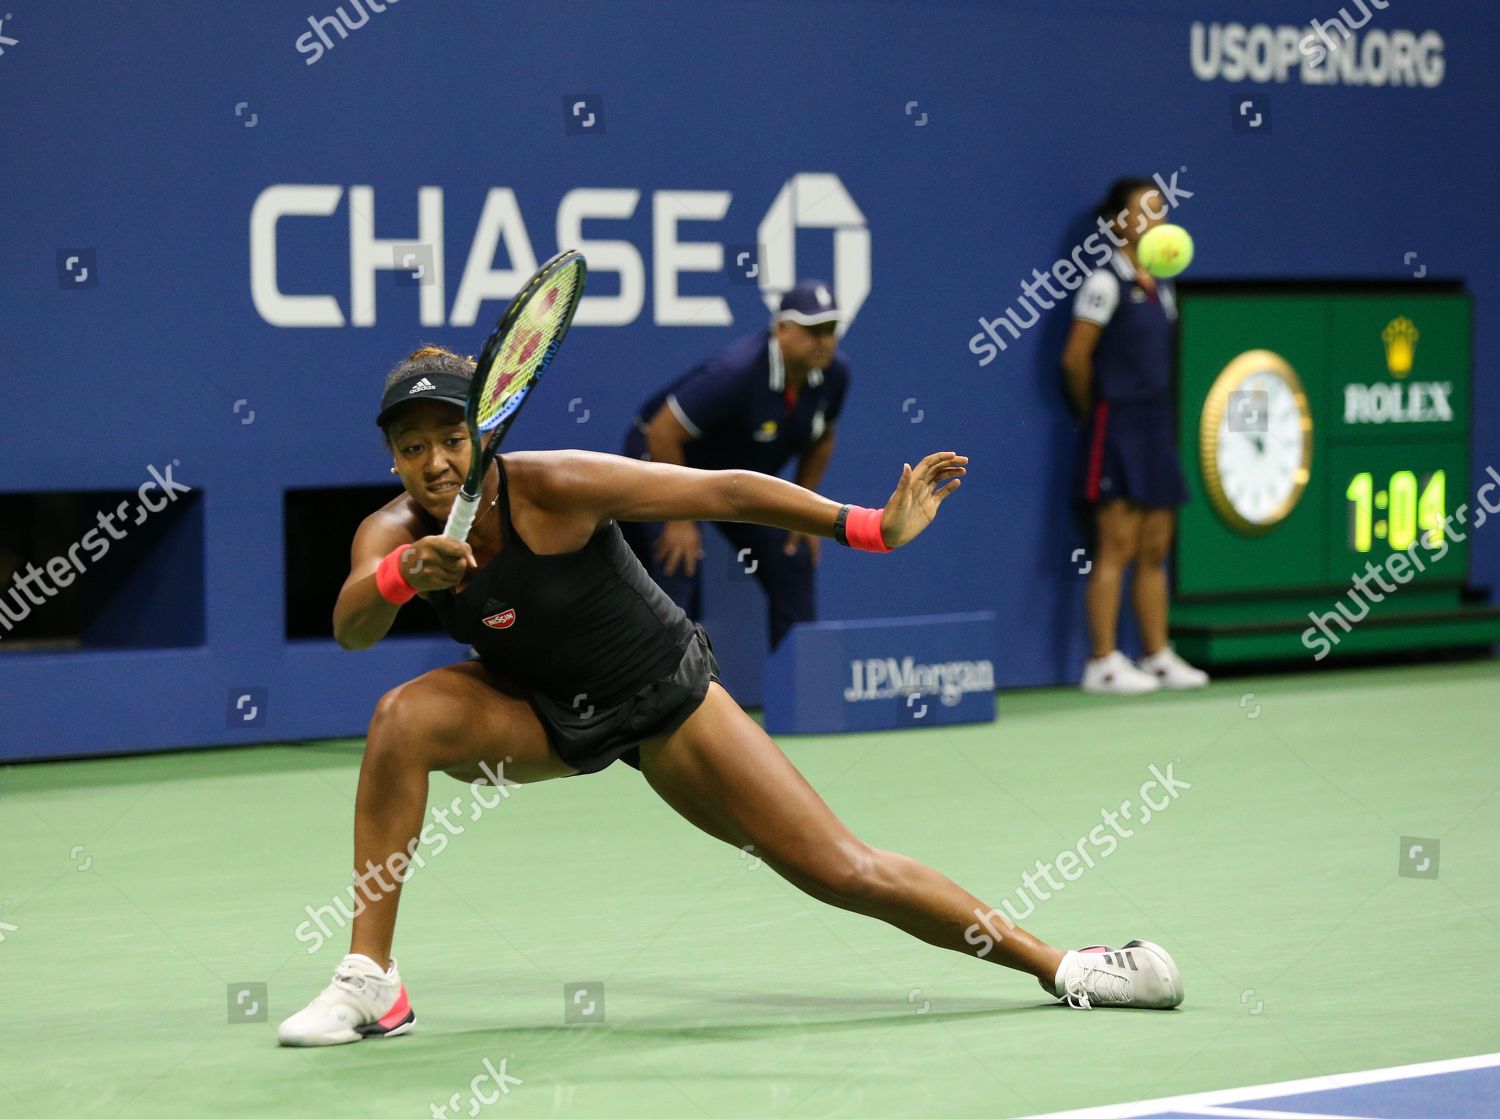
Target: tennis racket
[513, 359]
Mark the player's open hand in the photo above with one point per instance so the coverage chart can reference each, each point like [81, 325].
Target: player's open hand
[437, 563]
[919, 493]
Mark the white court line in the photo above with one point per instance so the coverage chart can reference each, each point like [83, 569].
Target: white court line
[1204, 1100]
[1256, 1113]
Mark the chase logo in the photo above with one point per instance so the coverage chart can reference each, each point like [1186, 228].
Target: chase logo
[815, 200]
[808, 200]
[766, 433]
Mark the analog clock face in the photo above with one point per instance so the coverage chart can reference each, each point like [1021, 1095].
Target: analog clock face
[1257, 444]
[1261, 456]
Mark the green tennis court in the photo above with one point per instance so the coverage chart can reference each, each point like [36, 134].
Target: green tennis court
[143, 899]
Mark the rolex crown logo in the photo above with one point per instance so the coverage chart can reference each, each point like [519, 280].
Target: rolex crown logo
[1400, 337]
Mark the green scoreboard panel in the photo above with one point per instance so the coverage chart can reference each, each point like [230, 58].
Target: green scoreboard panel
[1322, 432]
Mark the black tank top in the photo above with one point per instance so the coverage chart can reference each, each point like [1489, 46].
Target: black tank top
[590, 622]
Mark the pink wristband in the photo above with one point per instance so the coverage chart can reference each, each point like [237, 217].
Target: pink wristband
[862, 529]
[389, 579]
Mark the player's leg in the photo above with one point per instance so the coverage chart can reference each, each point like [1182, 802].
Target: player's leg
[451, 719]
[460, 719]
[1151, 594]
[788, 580]
[726, 776]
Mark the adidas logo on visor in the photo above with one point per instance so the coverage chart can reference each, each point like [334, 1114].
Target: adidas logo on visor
[424, 385]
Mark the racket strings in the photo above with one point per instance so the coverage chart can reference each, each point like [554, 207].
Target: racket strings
[528, 345]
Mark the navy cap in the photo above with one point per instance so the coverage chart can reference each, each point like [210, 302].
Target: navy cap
[447, 387]
[810, 303]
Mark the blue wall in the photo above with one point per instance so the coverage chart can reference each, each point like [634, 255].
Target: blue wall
[121, 135]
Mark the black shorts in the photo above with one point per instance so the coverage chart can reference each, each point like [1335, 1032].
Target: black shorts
[590, 738]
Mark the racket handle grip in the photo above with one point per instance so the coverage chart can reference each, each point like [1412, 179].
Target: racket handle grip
[461, 516]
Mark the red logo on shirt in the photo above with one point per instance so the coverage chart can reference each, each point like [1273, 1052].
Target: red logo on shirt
[503, 620]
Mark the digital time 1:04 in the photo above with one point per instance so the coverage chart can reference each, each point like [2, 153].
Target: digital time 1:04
[1410, 509]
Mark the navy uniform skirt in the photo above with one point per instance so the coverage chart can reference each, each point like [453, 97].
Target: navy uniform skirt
[1129, 450]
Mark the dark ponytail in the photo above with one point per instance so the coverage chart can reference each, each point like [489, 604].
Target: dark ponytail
[430, 359]
[1118, 196]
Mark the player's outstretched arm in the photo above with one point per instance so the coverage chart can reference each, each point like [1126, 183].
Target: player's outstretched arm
[626, 489]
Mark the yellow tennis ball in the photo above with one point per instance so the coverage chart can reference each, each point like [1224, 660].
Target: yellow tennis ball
[1165, 250]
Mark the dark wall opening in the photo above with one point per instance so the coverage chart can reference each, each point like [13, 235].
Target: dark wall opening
[320, 526]
[101, 569]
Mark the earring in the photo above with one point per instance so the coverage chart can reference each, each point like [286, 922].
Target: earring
[393, 470]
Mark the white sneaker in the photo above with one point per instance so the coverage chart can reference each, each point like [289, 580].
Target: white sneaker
[1172, 671]
[362, 1001]
[1139, 975]
[1114, 674]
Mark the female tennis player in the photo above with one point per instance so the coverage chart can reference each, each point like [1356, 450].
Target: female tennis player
[585, 661]
[1117, 368]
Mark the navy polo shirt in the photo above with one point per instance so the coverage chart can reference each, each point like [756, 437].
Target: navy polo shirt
[1133, 360]
[734, 405]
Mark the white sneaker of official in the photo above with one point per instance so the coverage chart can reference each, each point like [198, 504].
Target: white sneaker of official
[1115, 674]
[362, 1001]
[1171, 671]
[1140, 975]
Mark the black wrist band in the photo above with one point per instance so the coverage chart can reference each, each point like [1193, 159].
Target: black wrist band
[839, 532]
